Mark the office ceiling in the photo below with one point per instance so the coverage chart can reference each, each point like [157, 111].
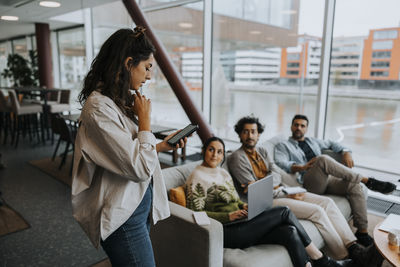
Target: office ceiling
[29, 13]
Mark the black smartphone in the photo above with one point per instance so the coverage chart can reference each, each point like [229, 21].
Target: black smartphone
[188, 130]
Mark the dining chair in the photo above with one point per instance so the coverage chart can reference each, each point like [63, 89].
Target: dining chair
[5, 118]
[63, 103]
[66, 134]
[22, 117]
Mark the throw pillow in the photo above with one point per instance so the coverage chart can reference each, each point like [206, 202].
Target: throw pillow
[177, 195]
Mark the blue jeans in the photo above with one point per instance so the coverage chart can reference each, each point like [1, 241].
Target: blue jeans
[130, 244]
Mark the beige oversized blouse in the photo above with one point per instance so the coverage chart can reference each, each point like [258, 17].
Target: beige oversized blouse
[113, 166]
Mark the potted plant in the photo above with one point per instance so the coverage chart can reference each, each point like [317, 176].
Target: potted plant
[22, 72]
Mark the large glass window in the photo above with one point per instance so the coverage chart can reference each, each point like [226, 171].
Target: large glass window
[381, 54]
[385, 34]
[180, 29]
[380, 64]
[106, 23]
[72, 59]
[261, 69]
[3, 62]
[382, 45]
[364, 109]
[20, 46]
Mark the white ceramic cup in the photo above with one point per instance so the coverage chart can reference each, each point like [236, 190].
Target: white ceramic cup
[394, 237]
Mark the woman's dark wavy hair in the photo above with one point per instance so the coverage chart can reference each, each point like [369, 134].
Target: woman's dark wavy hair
[108, 72]
[207, 143]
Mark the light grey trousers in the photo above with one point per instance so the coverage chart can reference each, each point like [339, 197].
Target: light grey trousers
[328, 176]
[326, 216]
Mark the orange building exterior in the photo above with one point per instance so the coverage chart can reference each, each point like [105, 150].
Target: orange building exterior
[381, 55]
[301, 61]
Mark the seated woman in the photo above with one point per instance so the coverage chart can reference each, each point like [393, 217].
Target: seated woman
[210, 188]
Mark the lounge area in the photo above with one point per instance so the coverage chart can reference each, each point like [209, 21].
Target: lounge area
[211, 63]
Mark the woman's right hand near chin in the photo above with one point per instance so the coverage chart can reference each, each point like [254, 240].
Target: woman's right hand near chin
[142, 109]
[236, 215]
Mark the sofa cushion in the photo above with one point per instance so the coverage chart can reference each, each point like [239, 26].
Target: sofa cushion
[275, 255]
[260, 255]
[343, 204]
[176, 176]
[177, 195]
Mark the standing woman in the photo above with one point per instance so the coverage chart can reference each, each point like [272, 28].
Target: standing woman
[117, 181]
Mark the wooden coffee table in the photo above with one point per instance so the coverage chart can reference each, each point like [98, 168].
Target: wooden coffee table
[390, 253]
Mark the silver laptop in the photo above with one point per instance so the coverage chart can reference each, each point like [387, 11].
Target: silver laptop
[259, 198]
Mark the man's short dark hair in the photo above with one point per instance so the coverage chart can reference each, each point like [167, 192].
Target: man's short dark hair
[248, 120]
[300, 117]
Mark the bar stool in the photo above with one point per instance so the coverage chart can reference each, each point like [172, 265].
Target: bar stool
[22, 115]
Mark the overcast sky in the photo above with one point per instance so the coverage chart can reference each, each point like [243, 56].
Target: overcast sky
[352, 17]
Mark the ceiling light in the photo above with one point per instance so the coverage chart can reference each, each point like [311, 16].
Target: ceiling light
[185, 25]
[12, 18]
[255, 32]
[49, 4]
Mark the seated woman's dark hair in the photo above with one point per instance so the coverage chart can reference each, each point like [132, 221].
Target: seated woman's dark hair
[108, 72]
[207, 143]
[248, 120]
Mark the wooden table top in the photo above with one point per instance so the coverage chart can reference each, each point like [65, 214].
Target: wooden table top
[390, 253]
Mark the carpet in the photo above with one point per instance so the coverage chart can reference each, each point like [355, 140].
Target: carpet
[11, 221]
[51, 168]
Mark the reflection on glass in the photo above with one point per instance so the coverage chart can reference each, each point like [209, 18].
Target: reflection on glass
[261, 69]
[20, 47]
[364, 91]
[106, 23]
[270, 12]
[72, 61]
[3, 62]
[180, 29]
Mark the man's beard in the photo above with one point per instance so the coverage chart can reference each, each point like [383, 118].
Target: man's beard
[297, 135]
[250, 146]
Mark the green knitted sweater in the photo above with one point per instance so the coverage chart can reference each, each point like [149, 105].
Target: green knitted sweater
[212, 190]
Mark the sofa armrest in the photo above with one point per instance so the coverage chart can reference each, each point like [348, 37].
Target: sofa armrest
[180, 241]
